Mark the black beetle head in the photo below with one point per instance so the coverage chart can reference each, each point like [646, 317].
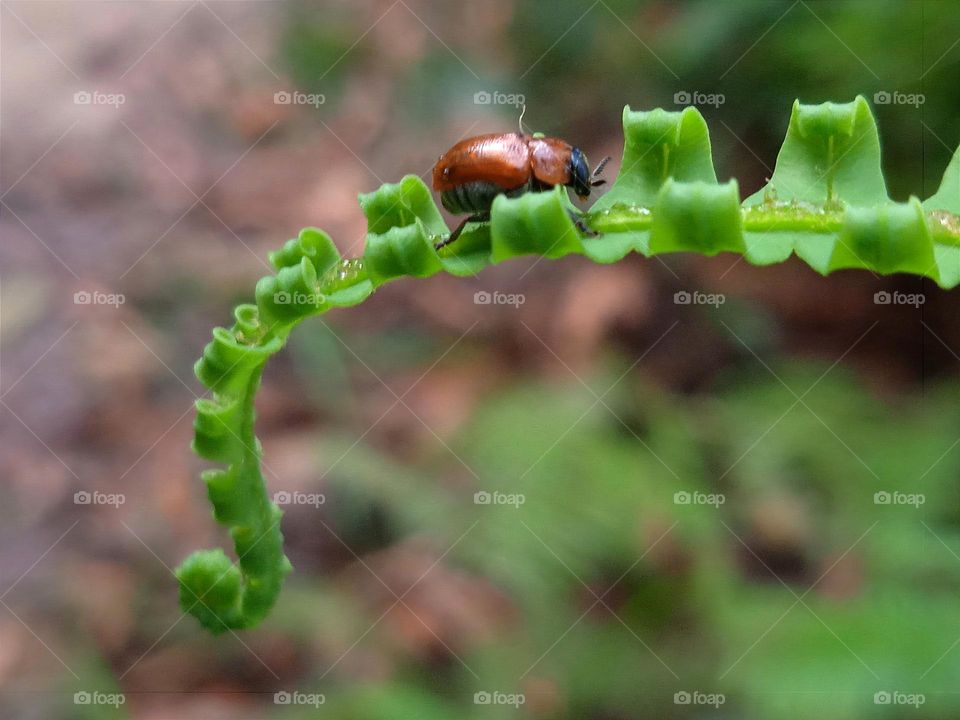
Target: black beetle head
[579, 173]
[581, 179]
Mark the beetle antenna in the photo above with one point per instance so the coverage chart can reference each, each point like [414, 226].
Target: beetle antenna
[601, 166]
[522, 111]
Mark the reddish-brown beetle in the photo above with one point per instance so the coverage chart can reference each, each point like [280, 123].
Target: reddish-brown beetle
[474, 171]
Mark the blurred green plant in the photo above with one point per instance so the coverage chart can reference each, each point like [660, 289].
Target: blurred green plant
[826, 202]
[706, 592]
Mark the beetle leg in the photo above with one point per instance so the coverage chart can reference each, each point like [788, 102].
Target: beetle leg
[452, 237]
[459, 229]
[581, 225]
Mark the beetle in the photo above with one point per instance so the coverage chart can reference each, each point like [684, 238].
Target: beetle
[473, 172]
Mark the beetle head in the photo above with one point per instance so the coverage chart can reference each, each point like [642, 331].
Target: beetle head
[581, 179]
[579, 174]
